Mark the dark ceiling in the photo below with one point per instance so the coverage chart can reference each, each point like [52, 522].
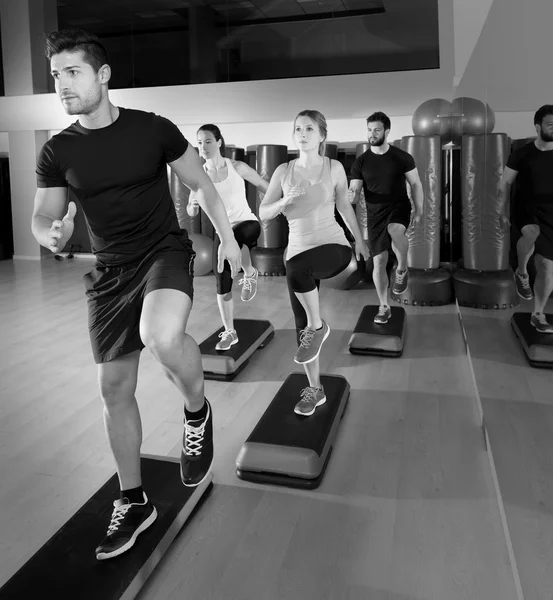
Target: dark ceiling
[116, 17]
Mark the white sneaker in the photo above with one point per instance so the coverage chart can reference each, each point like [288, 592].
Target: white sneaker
[228, 339]
[249, 286]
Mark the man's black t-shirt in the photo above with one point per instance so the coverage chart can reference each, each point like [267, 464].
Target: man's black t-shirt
[383, 175]
[119, 175]
[534, 182]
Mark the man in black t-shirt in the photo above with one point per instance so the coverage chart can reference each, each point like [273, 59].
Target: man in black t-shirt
[532, 168]
[114, 162]
[382, 172]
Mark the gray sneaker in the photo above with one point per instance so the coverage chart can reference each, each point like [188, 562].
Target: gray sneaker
[383, 316]
[523, 286]
[311, 341]
[228, 339]
[249, 286]
[311, 397]
[400, 282]
[540, 322]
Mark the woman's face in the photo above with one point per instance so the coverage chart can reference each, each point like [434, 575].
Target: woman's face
[208, 145]
[307, 134]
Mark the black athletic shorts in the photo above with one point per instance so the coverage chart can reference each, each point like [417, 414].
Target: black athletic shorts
[116, 294]
[540, 215]
[379, 216]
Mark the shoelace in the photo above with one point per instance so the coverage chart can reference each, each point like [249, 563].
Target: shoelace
[308, 394]
[118, 515]
[542, 319]
[247, 282]
[306, 337]
[400, 276]
[225, 334]
[194, 438]
[524, 280]
[382, 310]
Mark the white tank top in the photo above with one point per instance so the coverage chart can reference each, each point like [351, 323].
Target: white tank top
[233, 194]
[310, 217]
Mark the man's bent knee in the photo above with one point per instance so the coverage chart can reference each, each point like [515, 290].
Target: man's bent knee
[530, 232]
[396, 230]
[164, 344]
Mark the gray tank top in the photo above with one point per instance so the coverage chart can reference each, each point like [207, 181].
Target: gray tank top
[310, 217]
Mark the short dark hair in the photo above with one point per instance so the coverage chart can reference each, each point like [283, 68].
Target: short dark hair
[216, 134]
[544, 111]
[380, 116]
[77, 40]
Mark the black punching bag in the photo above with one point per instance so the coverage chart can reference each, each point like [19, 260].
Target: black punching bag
[267, 256]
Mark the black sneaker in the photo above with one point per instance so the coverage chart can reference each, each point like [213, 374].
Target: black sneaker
[128, 521]
[523, 286]
[400, 281]
[196, 456]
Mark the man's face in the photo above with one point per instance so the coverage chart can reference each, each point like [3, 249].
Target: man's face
[545, 130]
[77, 84]
[376, 134]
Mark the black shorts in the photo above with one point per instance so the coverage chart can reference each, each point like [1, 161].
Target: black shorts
[540, 215]
[116, 294]
[379, 216]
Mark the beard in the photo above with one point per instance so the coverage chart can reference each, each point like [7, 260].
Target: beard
[376, 142]
[546, 137]
[83, 106]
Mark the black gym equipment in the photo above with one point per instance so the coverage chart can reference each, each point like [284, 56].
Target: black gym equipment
[224, 365]
[426, 287]
[370, 338]
[537, 346]
[428, 284]
[267, 255]
[485, 290]
[485, 279]
[66, 567]
[290, 450]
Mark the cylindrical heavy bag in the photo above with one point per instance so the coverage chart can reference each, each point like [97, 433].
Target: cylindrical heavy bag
[180, 194]
[251, 190]
[361, 147]
[331, 151]
[424, 241]
[361, 206]
[485, 241]
[235, 153]
[274, 234]
[207, 228]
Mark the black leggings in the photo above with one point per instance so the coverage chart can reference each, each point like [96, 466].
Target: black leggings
[245, 234]
[305, 271]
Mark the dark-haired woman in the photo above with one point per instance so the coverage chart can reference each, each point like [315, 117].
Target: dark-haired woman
[229, 176]
[306, 192]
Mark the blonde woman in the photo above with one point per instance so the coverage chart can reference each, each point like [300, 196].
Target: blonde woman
[306, 191]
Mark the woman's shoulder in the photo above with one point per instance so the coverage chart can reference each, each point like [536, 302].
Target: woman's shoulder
[336, 165]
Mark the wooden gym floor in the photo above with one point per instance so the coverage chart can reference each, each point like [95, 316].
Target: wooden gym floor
[413, 505]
